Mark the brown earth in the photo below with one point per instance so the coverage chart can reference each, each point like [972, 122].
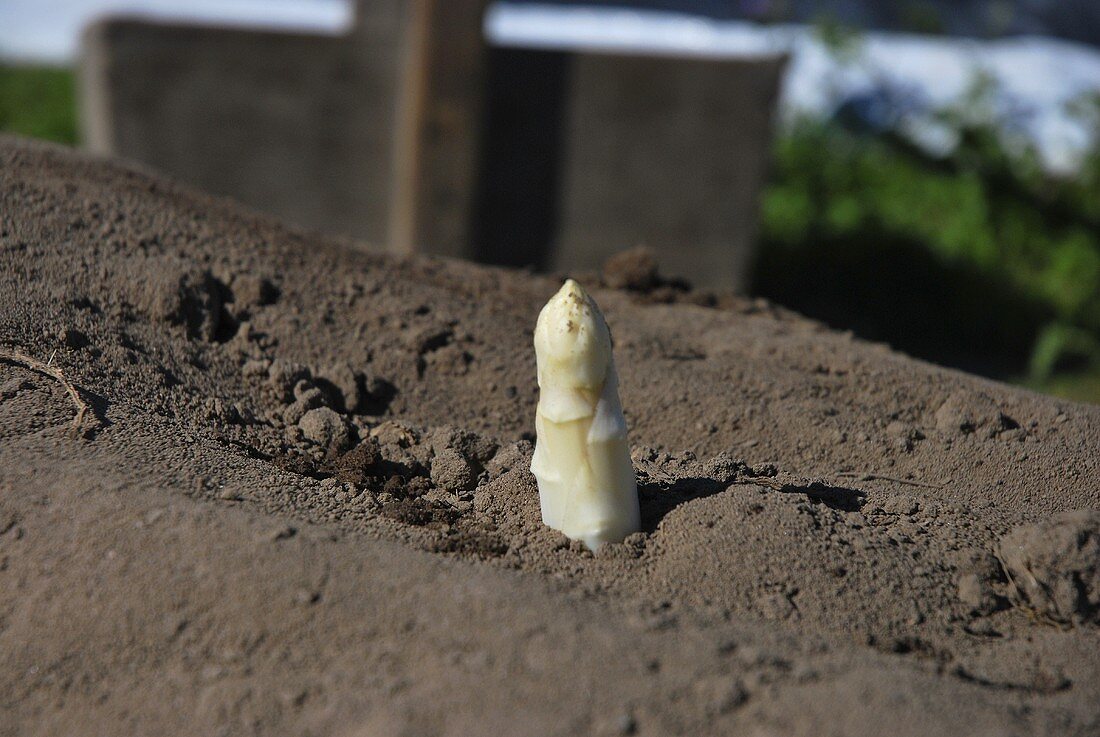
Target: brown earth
[299, 503]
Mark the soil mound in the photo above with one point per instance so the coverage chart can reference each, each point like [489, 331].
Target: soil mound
[299, 501]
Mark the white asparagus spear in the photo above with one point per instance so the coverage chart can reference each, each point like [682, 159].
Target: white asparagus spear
[582, 460]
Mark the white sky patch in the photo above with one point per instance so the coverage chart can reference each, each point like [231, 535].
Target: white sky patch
[48, 31]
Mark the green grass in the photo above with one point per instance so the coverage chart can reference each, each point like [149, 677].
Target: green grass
[38, 102]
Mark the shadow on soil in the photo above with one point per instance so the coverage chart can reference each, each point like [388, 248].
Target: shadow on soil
[657, 500]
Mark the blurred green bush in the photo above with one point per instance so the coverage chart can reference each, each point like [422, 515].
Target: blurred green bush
[38, 102]
[978, 259]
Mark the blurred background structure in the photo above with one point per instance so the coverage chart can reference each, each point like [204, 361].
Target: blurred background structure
[412, 133]
[930, 176]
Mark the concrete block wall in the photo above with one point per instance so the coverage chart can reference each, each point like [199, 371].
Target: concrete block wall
[282, 122]
[623, 151]
[666, 153]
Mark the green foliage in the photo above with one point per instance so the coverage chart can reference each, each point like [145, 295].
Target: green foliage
[1059, 342]
[1080, 386]
[1029, 240]
[843, 42]
[920, 17]
[38, 102]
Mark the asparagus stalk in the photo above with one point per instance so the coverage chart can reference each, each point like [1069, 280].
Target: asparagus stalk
[582, 460]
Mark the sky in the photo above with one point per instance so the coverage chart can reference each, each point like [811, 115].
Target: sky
[48, 30]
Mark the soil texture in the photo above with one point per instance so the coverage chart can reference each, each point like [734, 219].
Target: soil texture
[298, 500]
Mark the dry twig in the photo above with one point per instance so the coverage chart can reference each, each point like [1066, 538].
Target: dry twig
[53, 372]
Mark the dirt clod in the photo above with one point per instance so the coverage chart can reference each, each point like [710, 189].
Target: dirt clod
[185, 296]
[283, 376]
[1055, 565]
[634, 269]
[325, 428]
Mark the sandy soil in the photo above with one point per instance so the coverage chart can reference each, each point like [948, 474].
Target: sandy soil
[299, 501]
